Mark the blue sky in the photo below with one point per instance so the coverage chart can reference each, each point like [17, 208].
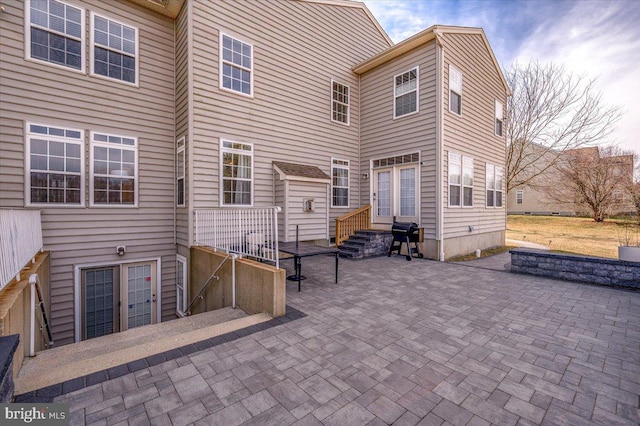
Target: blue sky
[596, 38]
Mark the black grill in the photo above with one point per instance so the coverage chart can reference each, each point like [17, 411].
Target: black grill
[405, 232]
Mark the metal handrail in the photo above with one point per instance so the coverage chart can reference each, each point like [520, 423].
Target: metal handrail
[34, 280]
[204, 286]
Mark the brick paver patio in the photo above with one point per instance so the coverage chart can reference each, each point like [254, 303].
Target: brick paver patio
[402, 343]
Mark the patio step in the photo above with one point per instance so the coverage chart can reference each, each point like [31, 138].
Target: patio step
[366, 243]
[67, 362]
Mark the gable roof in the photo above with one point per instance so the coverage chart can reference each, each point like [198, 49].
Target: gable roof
[355, 5]
[432, 33]
[292, 171]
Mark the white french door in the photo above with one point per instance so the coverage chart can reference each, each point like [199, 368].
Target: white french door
[139, 297]
[118, 297]
[395, 193]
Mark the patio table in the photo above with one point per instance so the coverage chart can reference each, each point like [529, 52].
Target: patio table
[300, 250]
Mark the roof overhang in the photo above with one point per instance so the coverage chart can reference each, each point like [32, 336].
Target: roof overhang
[170, 8]
[300, 172]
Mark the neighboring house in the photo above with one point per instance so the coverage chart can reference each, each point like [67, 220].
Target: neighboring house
[546, 195]
[119, 119]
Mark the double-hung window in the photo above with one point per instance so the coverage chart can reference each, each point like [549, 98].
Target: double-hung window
[180, 172]
[181, 285]
[55, 161]
[494, 186]
[54, 33]
[519, 196]
[339, 183]
[237, 173]
[499, 118]
[114, 49]
[405, 100]
[236, 65]
[460, 181]
[339, 102]
[114, 170]
[455, 90]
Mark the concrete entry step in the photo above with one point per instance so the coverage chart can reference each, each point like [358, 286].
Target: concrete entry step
[63, 363]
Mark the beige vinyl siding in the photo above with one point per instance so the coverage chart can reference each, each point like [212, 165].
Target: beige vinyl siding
[383, 136]
[183, 75]
[44, 94]
[298, 48]
[472, 134]
[311, 225]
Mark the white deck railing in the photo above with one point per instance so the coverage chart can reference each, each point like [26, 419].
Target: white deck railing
[247, 231]
[20, 241]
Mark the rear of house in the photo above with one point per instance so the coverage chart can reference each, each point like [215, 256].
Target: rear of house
[123, 119]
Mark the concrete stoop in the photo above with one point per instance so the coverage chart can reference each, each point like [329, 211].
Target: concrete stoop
[64, 363]
[366, 243]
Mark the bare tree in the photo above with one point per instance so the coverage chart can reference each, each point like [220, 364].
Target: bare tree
[550, 112]
[595, 180]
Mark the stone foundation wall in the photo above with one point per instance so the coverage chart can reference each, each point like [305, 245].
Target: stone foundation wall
[592, 270]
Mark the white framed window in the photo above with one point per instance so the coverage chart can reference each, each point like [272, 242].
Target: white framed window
[519, 196]
[180, 172]
[54, 33]
[455, 90]
[405, 100]
[460, 180]
[54, 162]
[237, 173]
[114, 49]
[499, 112]
[340, 101]
[182, 285]
[494, 186]
[339, 183]
[114, 170]
[236, 65]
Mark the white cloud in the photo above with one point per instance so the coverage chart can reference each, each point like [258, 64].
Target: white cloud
[598, 40]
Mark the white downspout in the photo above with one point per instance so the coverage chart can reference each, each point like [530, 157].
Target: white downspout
[439, 149]
[32, 335]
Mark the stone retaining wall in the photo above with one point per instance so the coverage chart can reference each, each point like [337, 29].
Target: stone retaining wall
[592, 270]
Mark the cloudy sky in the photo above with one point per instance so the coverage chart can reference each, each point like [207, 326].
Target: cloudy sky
[597, 38]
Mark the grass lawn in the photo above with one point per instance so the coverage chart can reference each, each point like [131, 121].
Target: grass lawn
[568, 234]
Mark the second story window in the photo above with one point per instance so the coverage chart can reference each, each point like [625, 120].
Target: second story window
[114, 51]
[237, 173]
[339, 102]
[236, 65]
[499, 118]
[55, 163]
[55, 33]
[339, 183]
[405, 99]
[114, 170]
[455, 90]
